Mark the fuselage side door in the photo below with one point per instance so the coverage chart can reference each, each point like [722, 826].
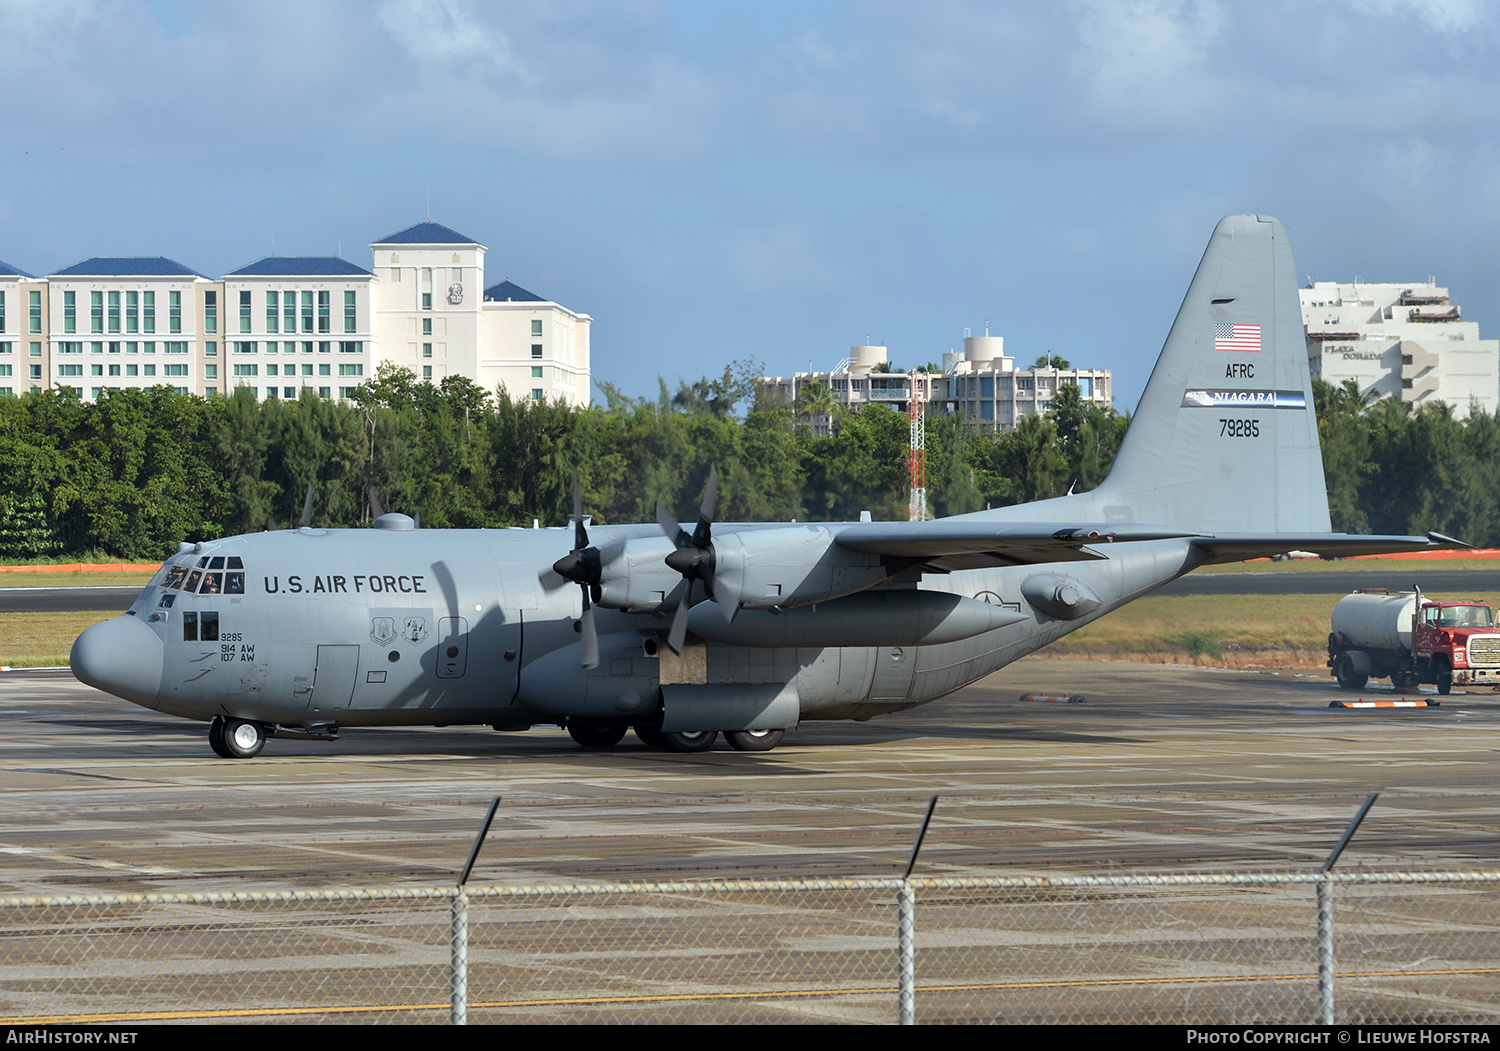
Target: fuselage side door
[453, 647]
[334, 677]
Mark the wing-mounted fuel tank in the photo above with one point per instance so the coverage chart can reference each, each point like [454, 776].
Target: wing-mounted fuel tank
[906, 617]
[752, 569]
[1059, 596]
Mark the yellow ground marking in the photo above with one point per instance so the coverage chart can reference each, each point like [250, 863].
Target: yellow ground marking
[594, 1001]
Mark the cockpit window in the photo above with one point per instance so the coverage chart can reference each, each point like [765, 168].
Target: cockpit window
[235, 562]
[174, 577]
[192, 580]
[234, 583]
[167, 600]
[217, 562]
[203, 562]
[213, 583]
[200, 627]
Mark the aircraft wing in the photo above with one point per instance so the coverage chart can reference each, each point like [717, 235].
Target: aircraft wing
[1236, 547]
[964, 543]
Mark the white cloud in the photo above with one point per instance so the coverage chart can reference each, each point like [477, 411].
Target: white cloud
[1148, 58]
[446, 38]
[1452, 17]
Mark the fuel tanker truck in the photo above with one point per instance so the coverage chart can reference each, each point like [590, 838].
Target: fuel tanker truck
[1412, 640]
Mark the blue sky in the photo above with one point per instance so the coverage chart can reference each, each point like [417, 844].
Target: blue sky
[771, 180]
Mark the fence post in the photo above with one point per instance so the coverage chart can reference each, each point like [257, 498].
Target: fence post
[906, 943]
[459, 974]
[906, 950]
[1325, 950]
[1325, 915]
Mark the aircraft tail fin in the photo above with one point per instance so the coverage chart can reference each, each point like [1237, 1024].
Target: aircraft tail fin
[1225, 438]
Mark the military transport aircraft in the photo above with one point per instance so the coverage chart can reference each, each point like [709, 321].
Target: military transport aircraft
[745, 629]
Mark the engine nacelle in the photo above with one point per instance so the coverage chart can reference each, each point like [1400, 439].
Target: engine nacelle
[1059, 596]
[754, 568]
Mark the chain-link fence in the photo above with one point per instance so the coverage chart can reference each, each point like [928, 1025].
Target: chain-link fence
[1405, 947]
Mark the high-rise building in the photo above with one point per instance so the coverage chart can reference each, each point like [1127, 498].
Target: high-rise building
[283, 325]
[1406, 341]
[981, 384]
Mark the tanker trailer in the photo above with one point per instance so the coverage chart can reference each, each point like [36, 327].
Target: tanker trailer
[1411, 640]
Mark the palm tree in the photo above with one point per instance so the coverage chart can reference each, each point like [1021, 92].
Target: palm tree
[815, 401]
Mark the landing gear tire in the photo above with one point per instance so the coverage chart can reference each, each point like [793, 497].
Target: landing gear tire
[754, 740]
[650, 736]
[1347, 677]
[596, 735]
[242, 738]
[684, 741]
[216, 738]
[1445, 681]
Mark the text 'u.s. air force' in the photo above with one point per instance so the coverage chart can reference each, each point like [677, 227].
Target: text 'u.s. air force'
[356, 584]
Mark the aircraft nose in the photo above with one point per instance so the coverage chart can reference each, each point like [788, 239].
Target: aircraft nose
[122, 657]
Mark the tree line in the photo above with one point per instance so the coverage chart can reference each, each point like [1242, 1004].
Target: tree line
[139, 470]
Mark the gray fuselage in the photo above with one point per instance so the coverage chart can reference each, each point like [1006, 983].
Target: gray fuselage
[373, 627]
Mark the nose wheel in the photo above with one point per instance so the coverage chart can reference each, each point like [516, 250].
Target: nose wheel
[236, 738]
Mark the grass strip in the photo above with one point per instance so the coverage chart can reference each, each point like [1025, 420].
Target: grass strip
[43, 640]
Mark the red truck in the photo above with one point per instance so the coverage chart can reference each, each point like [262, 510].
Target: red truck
[1412, 640]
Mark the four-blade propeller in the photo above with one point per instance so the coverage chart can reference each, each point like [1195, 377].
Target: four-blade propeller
[694, 557]
[584, 566]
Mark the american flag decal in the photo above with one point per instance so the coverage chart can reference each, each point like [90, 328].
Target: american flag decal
[1243, 338]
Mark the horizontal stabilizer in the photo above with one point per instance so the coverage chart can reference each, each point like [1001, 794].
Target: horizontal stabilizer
[1236, 547]
[975, 542]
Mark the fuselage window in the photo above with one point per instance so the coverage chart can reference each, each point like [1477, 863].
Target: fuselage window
[234, 583]
[190, 627]
[192, 581]
[167, 600]
[208, 627]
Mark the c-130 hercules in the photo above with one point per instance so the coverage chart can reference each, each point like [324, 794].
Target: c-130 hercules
[741, 629]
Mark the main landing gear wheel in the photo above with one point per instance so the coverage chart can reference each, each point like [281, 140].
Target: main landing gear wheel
[685, 741]
[216, 738]
[242, 739]
[1347, 677]
[754, 740]
[596, 735]
[650, 736]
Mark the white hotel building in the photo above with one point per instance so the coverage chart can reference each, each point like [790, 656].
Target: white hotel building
[286, 324]
[1406, 341]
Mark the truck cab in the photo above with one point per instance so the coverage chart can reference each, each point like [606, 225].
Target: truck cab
[1459, 639]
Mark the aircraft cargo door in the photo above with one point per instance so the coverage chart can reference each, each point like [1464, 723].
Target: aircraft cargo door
[333, 681]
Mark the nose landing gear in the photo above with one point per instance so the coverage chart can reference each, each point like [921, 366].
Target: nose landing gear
[236, 738]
